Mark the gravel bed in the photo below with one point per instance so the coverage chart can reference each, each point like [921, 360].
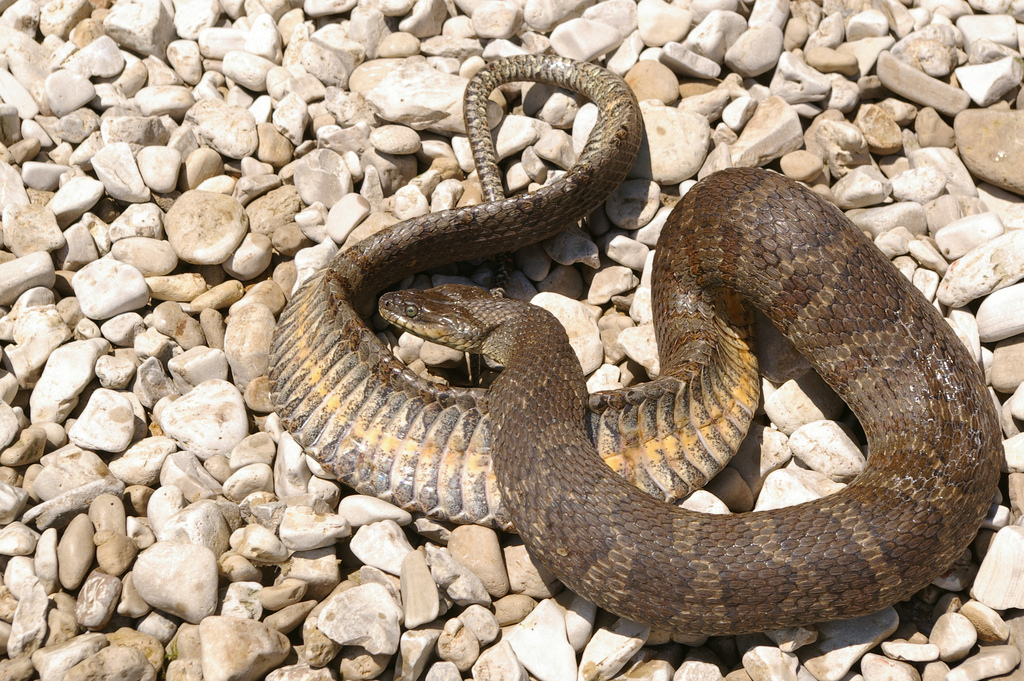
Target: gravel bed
[169, 174]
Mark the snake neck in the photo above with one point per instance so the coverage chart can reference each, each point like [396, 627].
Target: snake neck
[535, 370]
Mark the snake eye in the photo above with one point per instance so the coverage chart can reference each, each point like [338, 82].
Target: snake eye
[411, 311]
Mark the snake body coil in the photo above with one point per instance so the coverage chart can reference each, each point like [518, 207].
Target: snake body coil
[384, 431]
[930, 424]
[931, 428]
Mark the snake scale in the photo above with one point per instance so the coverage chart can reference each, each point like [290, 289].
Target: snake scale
[931, 427]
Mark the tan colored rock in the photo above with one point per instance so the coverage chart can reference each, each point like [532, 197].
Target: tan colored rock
[991, 144]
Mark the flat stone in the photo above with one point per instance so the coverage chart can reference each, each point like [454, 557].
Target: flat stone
[71, 201]
[67, 91]
[478, 549]
[322, 176]
[989, 143]
[675, 145]
[419, 592]
[106, 424]
[303, 529]
[987, 83]
[611, 648]
[961, 236]
[756, 51]
[230, 130]
[461, 584]
[990, 662]
[584, 39]
[97, 600]
[919, 87]
[994, 265]
[51, 662]
[420, 97]
[660, 23]
[826, 448]
[1000, 580]
[144, 26]
[686, 62]
[905, 651]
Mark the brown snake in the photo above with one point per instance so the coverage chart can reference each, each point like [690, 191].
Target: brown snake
[930, 424]
[931, 427]
[384, 431]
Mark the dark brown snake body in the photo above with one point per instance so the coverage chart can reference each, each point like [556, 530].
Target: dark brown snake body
[930, 425]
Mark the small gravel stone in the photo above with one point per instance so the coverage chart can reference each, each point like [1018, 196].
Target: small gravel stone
[97, 599]
[772, 132]
[366, 616]
[540, 645]
[841, 644]
[974, 274]
[677, 143]
[919, 87]
[801, 401]
[204, 228]
[584, 336]
[961, 236]
[1000, 580]
[478, 549]
[116, 168]
[229, 130]
[233, 648]
[991, 661]
[419, 592]
[113, 661]
[611, 648]
[954, 635]
[209, 420]
[826, 448]
[415, 650]
[381, 544]
[53, 661]
[303, 529]
[178, 578]
[106, 288]
[652, 80]
[461, 584]
[987, 142]
[905, 651]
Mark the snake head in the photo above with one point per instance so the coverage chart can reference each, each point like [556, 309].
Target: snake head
[455, 315]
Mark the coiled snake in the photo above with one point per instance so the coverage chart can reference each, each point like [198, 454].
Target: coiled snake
[384, 431]
[930, 424]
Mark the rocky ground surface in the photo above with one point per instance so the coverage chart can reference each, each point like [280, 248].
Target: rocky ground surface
[170, 171]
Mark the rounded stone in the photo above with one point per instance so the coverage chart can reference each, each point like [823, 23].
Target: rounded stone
[106, 288]
[651, 79]
[205, 228]
[180, 579]
[209, 420]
